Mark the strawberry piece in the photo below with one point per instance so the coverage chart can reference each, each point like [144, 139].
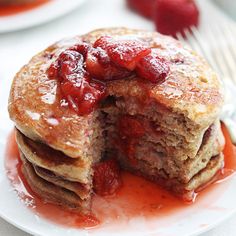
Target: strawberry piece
[129, 126]
[153, 68]
[99, 65]
[106, 179]
[142, 7]
[172, 16]
[82, 48]
[83, 99]
[131, 150]
[123, 52]
[53, 70]
[83, 71]
[130, 130]
[82, 93]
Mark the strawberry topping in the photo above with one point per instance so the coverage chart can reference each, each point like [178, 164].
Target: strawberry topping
[130, 130]
[129, 126]
[124, 52]
[82, 93]
[84, 69]
[153, 68]
[106, 179]
[100, 66]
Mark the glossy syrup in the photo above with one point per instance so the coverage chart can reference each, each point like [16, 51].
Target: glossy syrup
[15, 9]
[136, 198]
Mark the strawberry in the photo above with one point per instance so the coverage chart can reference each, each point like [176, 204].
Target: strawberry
[129, 126]
[130, 130]
[123, 52]
[82, 93]
[172, 16]
[99, 65]
[142, 7]
[106, 179]
[153, 68]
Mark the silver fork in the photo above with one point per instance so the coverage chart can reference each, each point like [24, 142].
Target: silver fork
[217, 45]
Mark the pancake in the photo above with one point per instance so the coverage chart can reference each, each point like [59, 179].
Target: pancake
[184, 180]
[43, 156]
[52, 193]
[82, 191]
[184, 191]
[191, 92]
[212, 145]
[167, 131]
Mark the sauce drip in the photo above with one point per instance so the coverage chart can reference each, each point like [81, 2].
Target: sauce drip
[136, 198]
[19, 8]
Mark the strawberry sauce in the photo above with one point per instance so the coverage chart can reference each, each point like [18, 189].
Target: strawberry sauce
[136, 198]
[84, 69]
[15, 9]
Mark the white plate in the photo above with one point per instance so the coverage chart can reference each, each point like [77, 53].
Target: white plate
[193, 220]
[216, 206]
[44, 13]
[208, 211]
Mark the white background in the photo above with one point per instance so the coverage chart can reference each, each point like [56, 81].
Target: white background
[17, 48]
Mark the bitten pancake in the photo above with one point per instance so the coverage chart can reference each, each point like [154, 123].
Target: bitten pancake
[81, 190]
[139, 97]
[43, 156]
[183, 190]
[191, 92]
[51, 192]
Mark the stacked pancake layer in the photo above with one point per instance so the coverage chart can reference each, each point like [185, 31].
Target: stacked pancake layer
[181, 161]
[53, 176]
[181, 148]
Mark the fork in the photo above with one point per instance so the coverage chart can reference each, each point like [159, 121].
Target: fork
[217, 46]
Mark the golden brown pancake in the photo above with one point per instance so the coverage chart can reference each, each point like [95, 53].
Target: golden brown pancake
[43, 156]
[51, 192]
[191, 91]
[81, 190]
[180, 149]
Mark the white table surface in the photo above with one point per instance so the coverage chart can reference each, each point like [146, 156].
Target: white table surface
[17, 48]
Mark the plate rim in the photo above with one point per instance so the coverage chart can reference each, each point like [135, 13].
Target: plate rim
[7, 23]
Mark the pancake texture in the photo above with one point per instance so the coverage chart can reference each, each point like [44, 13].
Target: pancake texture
[51, 192]
[181, 148]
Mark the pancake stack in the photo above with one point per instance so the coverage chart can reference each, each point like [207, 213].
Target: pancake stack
[180, 146]
[54, 176]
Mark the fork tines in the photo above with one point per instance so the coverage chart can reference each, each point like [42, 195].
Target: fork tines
[217, 45]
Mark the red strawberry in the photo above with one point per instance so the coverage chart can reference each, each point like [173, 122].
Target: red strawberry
[172, 16]
[123, 52]
[153, 68]
[143, 7]
[106, 179]
[130, 127]
[99, 65]
[82, 93]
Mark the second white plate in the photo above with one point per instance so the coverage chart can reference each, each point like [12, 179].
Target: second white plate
[39, 15]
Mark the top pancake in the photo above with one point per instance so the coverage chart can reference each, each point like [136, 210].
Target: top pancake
[191, 89]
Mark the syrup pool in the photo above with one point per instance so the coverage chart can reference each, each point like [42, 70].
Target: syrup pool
[137, 198]
[15, 9]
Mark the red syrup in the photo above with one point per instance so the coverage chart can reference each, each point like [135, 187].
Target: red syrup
[15, 9]
[136, 198]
